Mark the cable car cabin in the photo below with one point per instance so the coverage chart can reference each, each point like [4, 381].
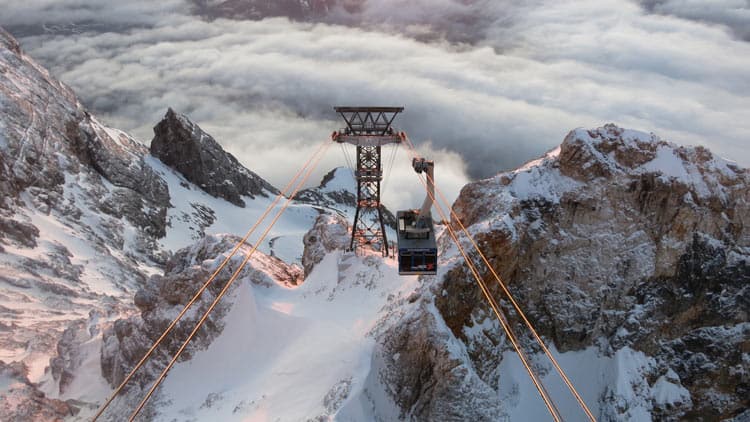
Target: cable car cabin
[417, 251]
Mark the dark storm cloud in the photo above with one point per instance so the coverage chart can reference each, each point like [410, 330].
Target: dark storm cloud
[265, 89]
[734, 14]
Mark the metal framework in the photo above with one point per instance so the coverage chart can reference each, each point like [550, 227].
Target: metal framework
[368, 128]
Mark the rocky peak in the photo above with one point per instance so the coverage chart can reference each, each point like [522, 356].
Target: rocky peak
[184, 146]
[337, 188]
[330, 232]
[618, 239]
[338, 192]
[611, 151]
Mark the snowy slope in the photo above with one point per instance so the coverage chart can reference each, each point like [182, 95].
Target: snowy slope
[311, 352]
[290, 354]
[194, 213]
[87, 215]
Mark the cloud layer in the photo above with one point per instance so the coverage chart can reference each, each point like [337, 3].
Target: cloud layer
[733, 14]
[265, 89]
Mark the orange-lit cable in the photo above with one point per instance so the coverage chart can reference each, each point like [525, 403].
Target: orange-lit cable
[203, 288]
[496, 309]
[223, 291]
[505, 289]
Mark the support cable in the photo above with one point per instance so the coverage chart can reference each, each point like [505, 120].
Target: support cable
[200, 291]
[498, 313]
[389, 167]
[224, 290]
[516, 306]
[349, 164]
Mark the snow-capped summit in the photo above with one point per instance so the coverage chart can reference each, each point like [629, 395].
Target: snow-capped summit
[610, 151]
[609, 154]
[337, 189]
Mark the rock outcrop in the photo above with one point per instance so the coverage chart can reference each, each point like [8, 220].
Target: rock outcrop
[329, 233]
[615, 241]
[338, 192]
[80, 215]
[161, 299]
[21, 401]
[426, 379]
[184, 146]
[338, 188]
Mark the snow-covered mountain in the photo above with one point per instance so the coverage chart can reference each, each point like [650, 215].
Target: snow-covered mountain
[87, 215]
[628, 253]
[80, 214]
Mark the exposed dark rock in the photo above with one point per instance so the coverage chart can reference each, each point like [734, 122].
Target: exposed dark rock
[162, 296]
[330, 232]
[184, 146]
[21, 232]
[21, 401]
[426, 380]
[63, 365]
[141, 195]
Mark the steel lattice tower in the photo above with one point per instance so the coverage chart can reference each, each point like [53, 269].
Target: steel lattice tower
[368, 128]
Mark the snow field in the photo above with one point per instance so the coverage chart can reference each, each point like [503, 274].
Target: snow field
[287, 354]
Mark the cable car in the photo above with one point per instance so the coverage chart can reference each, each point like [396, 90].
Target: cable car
[417, 249]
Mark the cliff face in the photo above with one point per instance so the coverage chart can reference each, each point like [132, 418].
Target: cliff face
[164, 296]
[86, 216]
[80, 214]
[616, 241]
[184, 146]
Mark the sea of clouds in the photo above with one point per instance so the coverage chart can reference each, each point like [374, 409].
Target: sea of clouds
[487, 85]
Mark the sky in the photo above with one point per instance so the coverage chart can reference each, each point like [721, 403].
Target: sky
[486, 84]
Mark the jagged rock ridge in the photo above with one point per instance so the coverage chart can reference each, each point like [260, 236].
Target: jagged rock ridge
[184, 146]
